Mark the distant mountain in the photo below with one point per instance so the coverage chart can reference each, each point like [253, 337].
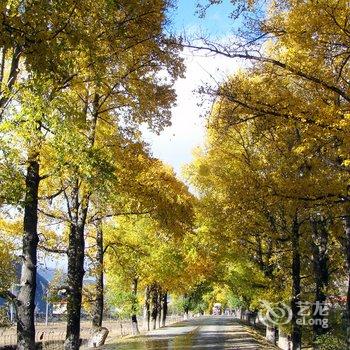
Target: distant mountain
[43, 278]
[40, 293]
[42, 281]
[47, 273]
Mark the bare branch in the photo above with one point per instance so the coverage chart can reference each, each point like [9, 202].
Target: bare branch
[216, 49]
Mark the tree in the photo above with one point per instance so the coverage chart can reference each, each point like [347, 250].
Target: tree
[6, 269]
[98, 70]
[303, 66]
[255, 184]
[145, 251]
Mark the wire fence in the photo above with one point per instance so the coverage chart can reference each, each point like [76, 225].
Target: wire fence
[52, 335]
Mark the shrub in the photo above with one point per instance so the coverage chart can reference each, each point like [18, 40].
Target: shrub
[4, 319]
[330, 342]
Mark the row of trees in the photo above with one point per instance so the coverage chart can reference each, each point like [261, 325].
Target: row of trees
[77, 80]
[274, 174]
[273, 218]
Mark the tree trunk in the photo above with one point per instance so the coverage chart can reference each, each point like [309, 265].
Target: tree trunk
[12, 77]
[164, 308]
[76, 271]
[135, 327]
[76, 248]
[346, 221]
[186, 301]
[2, 65]
[159, 306]
[296, 287]
[321, 275]
[154, 313]
[26, 296]
[99, 303]
[147, 307]
[187, 310]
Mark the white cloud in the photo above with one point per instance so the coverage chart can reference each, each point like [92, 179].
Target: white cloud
[175, 144]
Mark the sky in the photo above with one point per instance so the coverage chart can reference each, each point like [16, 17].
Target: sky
[175, 144]
[216, 21]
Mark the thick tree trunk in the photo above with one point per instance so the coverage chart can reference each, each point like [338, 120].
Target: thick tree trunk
[346, 221]
[164, 308]
[75, 285]
[321, 276]
[135, 327]
[99, 303]
[147, 307]
[296, 287]
[154, 313]
[26, 296]
[76, 271]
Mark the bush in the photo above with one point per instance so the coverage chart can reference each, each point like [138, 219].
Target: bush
[331, 342]
[4, 319]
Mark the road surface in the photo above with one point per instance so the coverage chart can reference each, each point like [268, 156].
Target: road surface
[199, 333]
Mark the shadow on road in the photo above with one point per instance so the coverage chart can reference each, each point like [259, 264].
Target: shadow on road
[201, 333]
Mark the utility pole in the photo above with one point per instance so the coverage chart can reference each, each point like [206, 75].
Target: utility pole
[11, 306]
[47, 306]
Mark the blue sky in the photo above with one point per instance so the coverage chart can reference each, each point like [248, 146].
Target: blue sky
[175, 144]
[216, 22]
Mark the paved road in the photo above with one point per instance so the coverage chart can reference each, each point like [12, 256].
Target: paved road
[200, 333]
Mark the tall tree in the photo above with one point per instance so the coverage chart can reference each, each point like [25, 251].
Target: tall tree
[299, 52]
[76, 52]
[255, 181]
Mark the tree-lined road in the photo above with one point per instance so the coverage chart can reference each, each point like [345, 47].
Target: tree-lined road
[200, 333]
